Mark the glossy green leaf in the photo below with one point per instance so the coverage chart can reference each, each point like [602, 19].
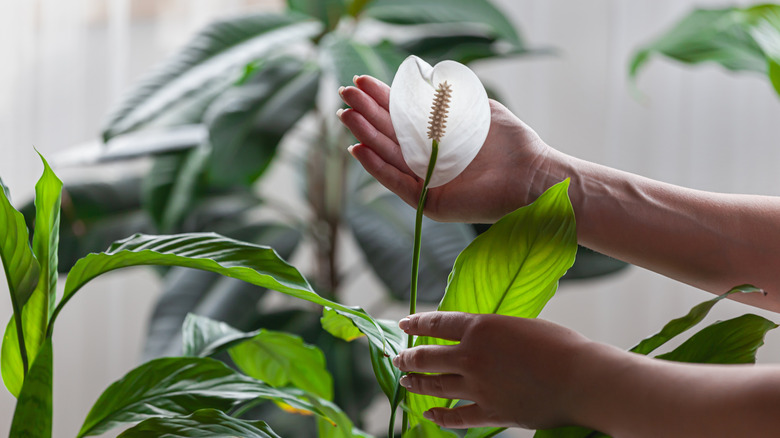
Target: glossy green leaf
[21, 267]
[679, 325]
[327, 11]
[277, 358]
[212, 295]
[339, 325]
[179, 386]
[255, 264]
[384, 230]
[737, 39]
[457, 45]
[206, 423]
[513, 268]
[480, 13]
[345, 58]
[386, 374]
[282, 359]
[33, 414]
[247, 122]
[733, 341]
[22, 272]
[179, 91]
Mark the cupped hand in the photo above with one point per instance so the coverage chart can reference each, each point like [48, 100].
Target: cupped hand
[518, 372]
[497, 182]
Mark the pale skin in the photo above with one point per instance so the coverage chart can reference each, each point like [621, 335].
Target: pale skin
[537, 374]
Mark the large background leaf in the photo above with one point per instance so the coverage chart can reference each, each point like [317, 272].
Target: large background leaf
[384, 229]
[480, 12]
[247, 122]
[179, 91]
[738, 39]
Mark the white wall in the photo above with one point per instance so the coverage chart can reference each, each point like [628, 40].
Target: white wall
[64, 63]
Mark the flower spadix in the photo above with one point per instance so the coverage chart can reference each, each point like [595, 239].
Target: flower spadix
[446, 103]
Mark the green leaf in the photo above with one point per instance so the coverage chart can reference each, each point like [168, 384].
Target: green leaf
[40, 305]
[282, 359]
[169, 187]
[179, 91]
[212, 295]
[734, 341]
[764, 27]
[202, 423]
[255, 264]
[427, 429]
[339, 325]
[33, 414]
[203, 337]
[511, 269]
[21, 267]
[22, 272]
[179, 386]
[737, 39]
[386, 374]
[327, 11]
[247, 122]
[458, 45]
[476, 12]
[344, 58]
[384, 230]
[679, 325]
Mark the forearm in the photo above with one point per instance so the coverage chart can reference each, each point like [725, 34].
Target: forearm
[709, 240]
[632, 396]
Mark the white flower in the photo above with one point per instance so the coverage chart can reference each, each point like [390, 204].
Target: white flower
[465, 122]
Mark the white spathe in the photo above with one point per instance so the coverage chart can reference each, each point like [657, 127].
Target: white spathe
[468, 121]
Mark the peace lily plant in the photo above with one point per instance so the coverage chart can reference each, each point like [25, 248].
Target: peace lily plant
[441, 118]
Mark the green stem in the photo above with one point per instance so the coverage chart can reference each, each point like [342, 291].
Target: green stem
[20, 336]
[416, 254]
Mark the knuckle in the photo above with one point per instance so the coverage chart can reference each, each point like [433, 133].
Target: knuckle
[434, 321]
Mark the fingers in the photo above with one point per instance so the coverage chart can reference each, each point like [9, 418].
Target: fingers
[444, 325]
[369, 135]
[369, 108]
[402, 184]
[430, 359]
[375, 88]
[438, 385]
[462, 417]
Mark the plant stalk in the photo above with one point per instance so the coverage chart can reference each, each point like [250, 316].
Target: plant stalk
[20, 336]
[416, 254]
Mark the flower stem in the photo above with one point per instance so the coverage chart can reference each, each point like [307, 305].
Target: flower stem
[416, 252]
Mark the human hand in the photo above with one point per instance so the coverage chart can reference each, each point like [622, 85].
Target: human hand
[517, 371]
[497, 182]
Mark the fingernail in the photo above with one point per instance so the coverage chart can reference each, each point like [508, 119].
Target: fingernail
[404, 324]
[355, 78]
[405, 381]
[339, 112]
[341, 90]
[396, 361]
[349, 148]
[428, 415]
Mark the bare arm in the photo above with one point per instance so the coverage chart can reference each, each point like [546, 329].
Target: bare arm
[708, 240]
[536, 374]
